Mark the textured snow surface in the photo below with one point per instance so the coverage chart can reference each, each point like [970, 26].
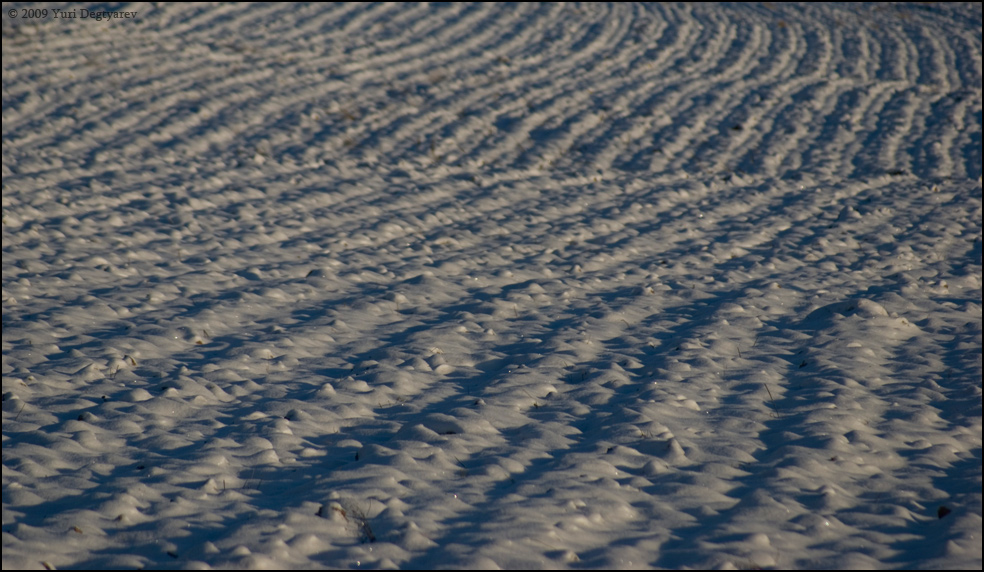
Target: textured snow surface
[441, 286]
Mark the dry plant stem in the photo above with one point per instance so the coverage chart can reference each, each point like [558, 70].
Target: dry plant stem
[773, 400]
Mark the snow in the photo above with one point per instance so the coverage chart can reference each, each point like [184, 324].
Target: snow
[492, 286]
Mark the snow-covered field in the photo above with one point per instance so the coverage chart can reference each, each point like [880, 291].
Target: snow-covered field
[547, 286]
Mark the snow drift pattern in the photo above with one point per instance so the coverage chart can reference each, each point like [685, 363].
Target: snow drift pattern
[493, 286]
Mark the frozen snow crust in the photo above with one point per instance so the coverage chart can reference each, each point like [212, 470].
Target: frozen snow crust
[547, 286]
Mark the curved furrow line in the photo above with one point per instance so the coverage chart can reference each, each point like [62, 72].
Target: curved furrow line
[358, 21]
[58, 104]
[236, 126]
[657, 135]
[743, 124]
[868, 136]
[930, 124]
[406, 128]
[671, 29]
[946, 118]
[593, 21]
[816, 57]
[822, 149]
[945, 107]
[810, 141]
[958, 127]
[315, 26]
[854, 51]
[897, 62]
[773, 150]
[702, 118]
[675, 60]
[860, 252]
[512, 121]
[442, 39]
[714, 32]
[618, 241]
[557, 92]
[243, 90]
[470, 251]
[154, 121]
[410, 219]
[164, 123]
[566, 225]
[421, 53]
[786, 151]
[896, 125]
[967, 59]
[735, 48]
[562, 122]
[200, 26]
[226, 253]
[647, 69]
[26, 96]
[935, 60]
[789, 97]
[475, 98]
[723, 115]
[373, 124]
[260, 121]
